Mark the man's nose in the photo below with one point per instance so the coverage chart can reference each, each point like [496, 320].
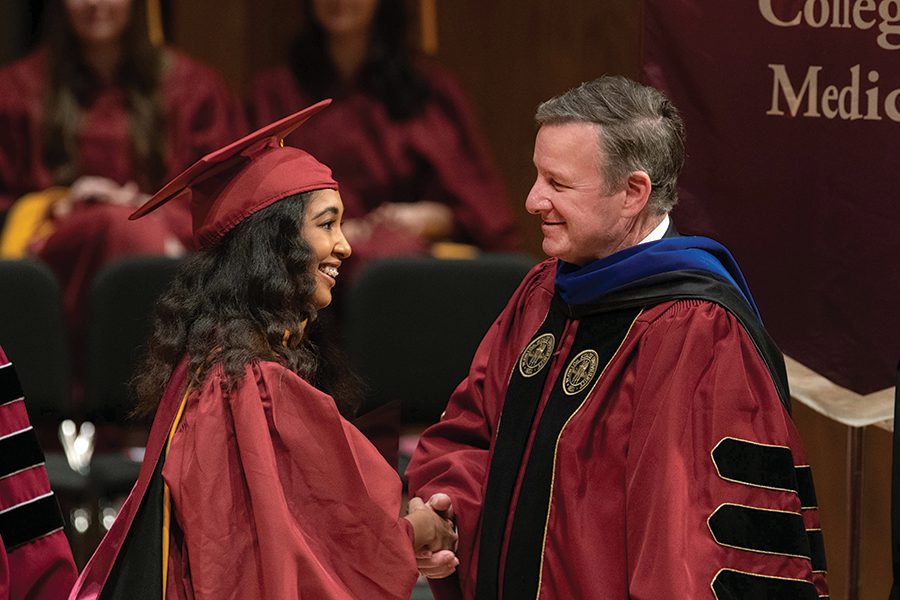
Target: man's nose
[537, 200]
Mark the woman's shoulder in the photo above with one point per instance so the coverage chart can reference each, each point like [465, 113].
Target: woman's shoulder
[187, 74]
[441, 81]
[432, 69]
[204, 114]
[447, 99]
[274, 375]
[273, 94]
[24, 79]
[253, 369]
[263, 381]
[275, 78]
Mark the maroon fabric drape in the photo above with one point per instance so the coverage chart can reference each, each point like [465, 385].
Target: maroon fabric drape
[792, 111]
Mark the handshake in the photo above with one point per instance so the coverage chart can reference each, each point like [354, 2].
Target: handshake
[435, 535]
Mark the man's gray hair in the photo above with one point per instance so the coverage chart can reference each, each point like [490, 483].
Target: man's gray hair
[640, 130]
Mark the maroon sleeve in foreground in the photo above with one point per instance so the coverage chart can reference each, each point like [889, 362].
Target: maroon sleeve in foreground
[38, 563]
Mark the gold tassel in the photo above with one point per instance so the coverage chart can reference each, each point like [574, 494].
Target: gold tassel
[287, 334]
[154, 23]
[167, 496]
[428, 14]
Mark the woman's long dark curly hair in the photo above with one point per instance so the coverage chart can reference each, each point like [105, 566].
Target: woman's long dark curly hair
[71, 86]
[388, 73]
[231, 305]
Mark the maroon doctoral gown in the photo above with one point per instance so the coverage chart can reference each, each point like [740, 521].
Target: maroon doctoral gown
[35, 559]
[273, 495]
[665, 479]
[438, 155]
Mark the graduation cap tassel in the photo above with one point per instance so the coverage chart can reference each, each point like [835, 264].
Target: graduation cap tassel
[428, 16]
[154, 23]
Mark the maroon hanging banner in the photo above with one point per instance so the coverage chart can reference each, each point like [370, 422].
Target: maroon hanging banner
[792, 111]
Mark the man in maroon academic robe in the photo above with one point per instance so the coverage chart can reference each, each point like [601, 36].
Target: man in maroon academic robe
[625, 430]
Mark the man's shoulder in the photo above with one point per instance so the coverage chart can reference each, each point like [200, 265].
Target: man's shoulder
[717, 328]
[538, 285]
[685, 307]
[543, 273]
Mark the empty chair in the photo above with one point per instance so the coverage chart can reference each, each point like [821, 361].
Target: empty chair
[120, 314]
[413, 325]
[33, 334]
[120, 310]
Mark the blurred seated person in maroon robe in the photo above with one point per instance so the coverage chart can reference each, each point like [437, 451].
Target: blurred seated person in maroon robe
[401, 137]
[254, 485]
[92, 120]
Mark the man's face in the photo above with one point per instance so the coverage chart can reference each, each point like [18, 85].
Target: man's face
[580, 223]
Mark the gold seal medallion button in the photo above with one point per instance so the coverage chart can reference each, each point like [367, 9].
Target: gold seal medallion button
[536, 355]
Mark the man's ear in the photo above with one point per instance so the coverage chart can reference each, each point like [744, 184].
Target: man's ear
[637, 192]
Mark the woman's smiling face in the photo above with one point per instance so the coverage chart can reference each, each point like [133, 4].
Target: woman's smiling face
[342, 17]
[98, 21]
[322, 231]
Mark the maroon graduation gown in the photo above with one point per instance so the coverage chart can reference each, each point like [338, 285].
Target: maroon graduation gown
[274, 495]
[201, 116]
[438, 155]
[35, 559]
[647, 498]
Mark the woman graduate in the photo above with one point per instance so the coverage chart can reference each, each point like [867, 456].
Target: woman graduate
[91, 122]
[401, 136]
[253, 484]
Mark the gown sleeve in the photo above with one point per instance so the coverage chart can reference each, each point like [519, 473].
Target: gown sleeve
[718, 491]
[268, 488]
[35, 559]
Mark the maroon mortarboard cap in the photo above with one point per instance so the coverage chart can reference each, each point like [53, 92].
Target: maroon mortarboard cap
[230, 184]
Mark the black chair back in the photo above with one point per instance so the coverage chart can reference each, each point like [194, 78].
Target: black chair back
[412, 325]
[123, 295]
[33, 334]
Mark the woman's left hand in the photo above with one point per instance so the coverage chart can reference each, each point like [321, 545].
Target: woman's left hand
[426, 219]
[435, 536]
[436, 565]
[98, 189]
